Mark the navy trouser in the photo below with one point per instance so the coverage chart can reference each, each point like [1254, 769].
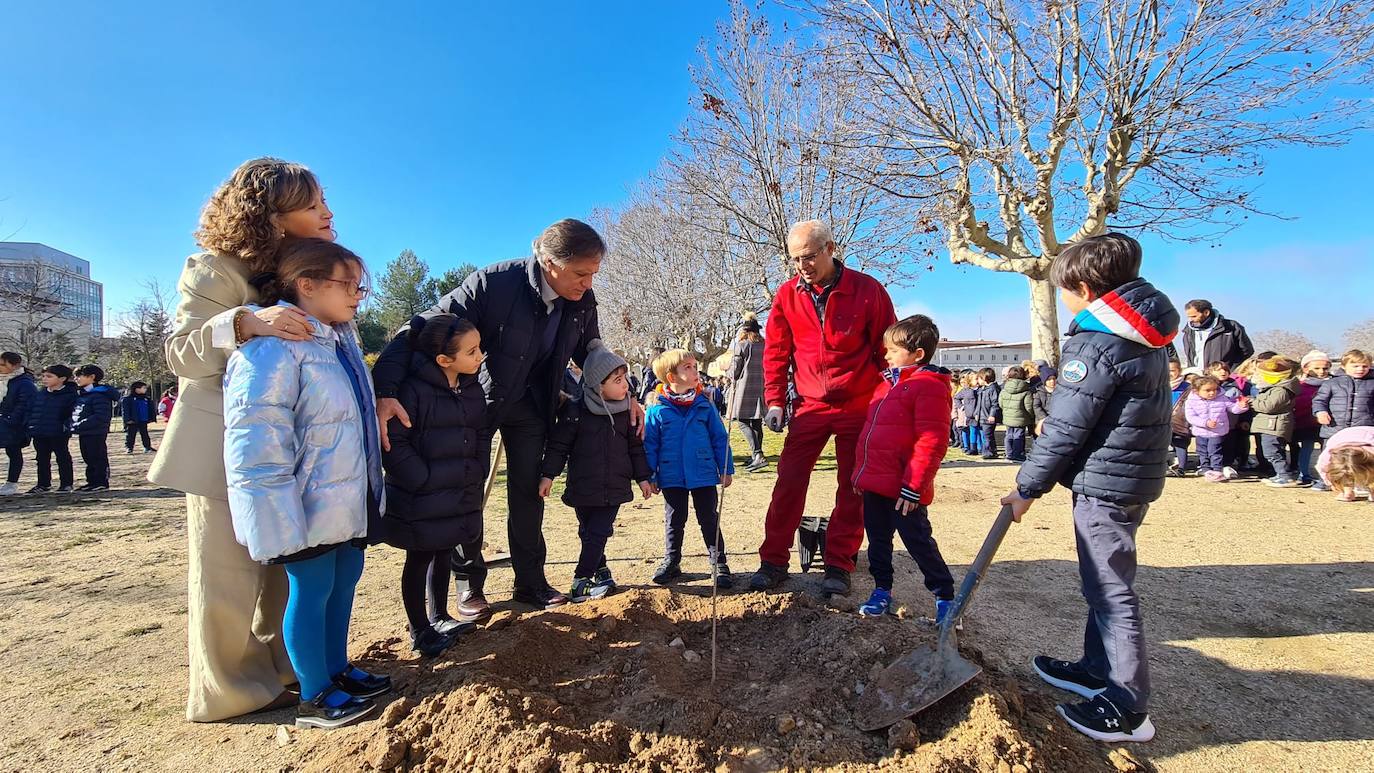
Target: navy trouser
[1180, 445]
[1275, 451]
[1016, 444]
[1114, 637]
[881, 520]
[45, 448]
[1209, 453]
[989, 440]
[16, 459]
[96, 454]
[595, 525]
[705, 500]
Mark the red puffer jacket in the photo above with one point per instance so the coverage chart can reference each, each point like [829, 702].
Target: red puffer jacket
[839, 365]
[904, 439]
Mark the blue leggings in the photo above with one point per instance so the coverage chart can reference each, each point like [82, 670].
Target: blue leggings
[317, 615]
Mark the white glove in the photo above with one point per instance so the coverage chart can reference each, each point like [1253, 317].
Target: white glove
[774, 418]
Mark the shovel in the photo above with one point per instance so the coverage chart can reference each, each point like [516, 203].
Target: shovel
[921, 677]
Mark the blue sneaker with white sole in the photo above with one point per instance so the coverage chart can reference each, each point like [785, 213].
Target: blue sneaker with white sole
[878, 604]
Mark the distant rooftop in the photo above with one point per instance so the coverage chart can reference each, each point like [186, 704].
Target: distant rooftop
[946, 343]
[30, 252]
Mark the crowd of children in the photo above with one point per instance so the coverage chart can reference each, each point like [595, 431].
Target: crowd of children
[61, 403]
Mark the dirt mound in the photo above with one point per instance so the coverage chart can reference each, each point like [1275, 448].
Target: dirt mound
[625, 684]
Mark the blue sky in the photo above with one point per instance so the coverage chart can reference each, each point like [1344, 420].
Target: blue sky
[460, 132]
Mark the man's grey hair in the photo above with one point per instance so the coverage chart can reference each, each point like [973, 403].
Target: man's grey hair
[819, 230]
[569, 240]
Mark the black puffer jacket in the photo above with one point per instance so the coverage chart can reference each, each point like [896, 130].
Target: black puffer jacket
[504, 302]
[51, 414]
[14, 410]
[1350, 401]
[603, 455]
[1108, 434]
[437, 468]
[1226, 342]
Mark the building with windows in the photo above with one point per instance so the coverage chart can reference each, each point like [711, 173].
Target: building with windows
[43, 286]
[971, 355]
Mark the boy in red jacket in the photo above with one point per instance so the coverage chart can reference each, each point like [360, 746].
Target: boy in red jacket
[900, 450]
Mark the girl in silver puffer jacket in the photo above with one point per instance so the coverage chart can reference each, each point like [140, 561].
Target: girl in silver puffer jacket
[303, 463]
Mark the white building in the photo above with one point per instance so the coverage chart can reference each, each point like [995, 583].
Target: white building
[964, 355]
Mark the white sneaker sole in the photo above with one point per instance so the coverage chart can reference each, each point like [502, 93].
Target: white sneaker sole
[1063, 684]
[321, 723]
[1145, 732]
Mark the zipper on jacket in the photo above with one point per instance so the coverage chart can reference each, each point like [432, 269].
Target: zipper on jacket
[873, 424]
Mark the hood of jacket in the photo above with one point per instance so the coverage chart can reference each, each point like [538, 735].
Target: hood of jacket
[1135, 311]
[1016, 386]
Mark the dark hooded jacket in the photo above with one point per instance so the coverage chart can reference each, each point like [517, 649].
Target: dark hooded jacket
[1108, 432]
[1226, 342]
[14, 410]
[436, 469]
[1349, 400]
[94, 410]
[51, 414]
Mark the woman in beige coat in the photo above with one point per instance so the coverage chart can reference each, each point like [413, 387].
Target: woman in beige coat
[238, 662]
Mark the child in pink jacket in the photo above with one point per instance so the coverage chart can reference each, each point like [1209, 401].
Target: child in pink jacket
[1347, 462]
[1209, 416]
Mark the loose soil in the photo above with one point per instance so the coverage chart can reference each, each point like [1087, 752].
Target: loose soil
[1257, 606]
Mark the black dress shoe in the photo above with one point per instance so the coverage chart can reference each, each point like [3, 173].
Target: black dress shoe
[453, 628]
[317, 713]
[430, 643]
[369, 686]
[548, 598]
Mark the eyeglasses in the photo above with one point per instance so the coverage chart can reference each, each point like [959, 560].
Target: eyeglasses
[352, 287]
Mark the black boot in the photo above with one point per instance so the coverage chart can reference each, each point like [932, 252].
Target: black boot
[668, 570]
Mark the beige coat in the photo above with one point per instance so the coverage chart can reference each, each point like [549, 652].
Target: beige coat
[213, 289]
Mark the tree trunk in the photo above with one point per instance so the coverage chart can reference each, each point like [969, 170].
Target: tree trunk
[1044, 322]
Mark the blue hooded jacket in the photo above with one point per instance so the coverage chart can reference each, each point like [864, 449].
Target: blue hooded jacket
[94, 409]
[687, 446]
[14, 410]
[1108, 431]
[51, 415]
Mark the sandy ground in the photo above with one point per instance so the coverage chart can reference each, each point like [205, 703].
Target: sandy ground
[1257, 604]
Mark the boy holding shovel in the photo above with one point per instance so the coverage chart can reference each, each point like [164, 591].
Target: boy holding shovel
[1107, 440]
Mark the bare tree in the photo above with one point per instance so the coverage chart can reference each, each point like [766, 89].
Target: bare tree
[765, 148]
[36, 318]
[1361, 336]
[139, 351]
[1289, 343]
[1047, 122]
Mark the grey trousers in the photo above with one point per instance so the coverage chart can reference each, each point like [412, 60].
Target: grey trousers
[1114, 637]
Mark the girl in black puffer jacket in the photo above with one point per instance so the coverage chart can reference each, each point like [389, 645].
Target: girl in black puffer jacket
[435, 472]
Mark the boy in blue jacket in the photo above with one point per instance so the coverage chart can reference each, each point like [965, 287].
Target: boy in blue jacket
[91, 418]
[14, 417]
[1106, 440]
[50, 426]
[989, 410]
[689, 453]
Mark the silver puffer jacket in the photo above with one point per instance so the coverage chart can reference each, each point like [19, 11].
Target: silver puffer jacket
[298, 453]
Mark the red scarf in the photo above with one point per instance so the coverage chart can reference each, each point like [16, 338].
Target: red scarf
[677, 399]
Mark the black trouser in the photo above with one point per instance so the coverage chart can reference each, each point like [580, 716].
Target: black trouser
[96, 454]
[1275, 452]
[139, 428]
[16, 457]
[705, 500]
[420, 583]
[595, 525]
[1235, 449]
[522, 433]
[881, 520]
[469, 574]
[752, 429]
[1180, 445]
[1016, 444]
[46, 448]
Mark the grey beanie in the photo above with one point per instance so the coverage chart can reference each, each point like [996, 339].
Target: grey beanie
[600, 363]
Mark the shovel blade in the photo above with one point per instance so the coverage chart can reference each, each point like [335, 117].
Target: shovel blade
[912, 683]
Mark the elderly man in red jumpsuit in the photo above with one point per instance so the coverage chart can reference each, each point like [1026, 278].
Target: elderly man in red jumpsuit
[827, 325]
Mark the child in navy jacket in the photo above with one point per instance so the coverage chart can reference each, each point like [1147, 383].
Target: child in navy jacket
[138, 411]
[50, 426]
[899, 454]
[689, 453]
[989, 411]
[91, 417]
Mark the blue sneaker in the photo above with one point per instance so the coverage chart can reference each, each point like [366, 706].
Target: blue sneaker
[945, 607]
[582, 590]
[878, 604]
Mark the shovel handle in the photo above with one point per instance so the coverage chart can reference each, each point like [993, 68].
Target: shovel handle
[980, 566]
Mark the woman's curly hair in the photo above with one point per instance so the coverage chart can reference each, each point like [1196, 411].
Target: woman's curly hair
[237, 220]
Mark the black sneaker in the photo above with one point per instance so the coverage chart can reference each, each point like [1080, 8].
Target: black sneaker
[430, 643]
[96, 487]
[452, 628]
[548, 598]
[366, 686]
[667, 571]
[724, 579]
[85, 488]
[768, 576]
[1068, 676]
[67, 489]
[1101, 720]
[316, 713]
[836, 582]
[39, 490]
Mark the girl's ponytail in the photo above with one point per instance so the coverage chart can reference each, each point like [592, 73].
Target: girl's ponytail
[438, 334]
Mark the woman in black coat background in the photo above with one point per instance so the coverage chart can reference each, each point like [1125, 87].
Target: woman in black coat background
[436, 470]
